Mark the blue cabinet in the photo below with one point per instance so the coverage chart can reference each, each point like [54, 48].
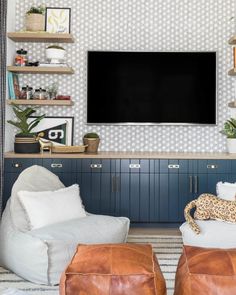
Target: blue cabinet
[145, 190]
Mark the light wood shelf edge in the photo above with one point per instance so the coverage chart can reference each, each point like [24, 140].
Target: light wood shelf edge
[40, 37]
[40, 102]
[128, 155]
[41, 70]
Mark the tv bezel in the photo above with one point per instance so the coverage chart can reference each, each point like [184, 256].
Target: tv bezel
[156, 123]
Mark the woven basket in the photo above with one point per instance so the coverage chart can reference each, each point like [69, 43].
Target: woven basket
[34, 22]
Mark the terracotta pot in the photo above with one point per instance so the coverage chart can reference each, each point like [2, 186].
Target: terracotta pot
[34, 22]
[93, 144]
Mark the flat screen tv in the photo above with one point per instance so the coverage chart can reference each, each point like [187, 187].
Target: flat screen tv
[151, 88]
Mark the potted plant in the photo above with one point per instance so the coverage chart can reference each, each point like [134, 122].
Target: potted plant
[25, 141]
[91, 140]
[34, 19]
[55, 53]
[230, 131]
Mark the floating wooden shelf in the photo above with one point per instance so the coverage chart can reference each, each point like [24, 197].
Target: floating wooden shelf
[41, 70]
[232, 41]
[232, 72]
[40, 37]
[45, 102]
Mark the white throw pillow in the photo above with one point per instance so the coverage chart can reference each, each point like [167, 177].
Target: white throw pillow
[50, 207]
[226, 191]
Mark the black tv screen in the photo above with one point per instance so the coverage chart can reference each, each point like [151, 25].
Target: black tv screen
[151, 87]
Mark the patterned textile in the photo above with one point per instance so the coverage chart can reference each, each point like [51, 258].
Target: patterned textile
[3, 12]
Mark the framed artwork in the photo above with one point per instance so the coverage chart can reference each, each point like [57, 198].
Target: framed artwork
[59, 130]
[58, 20]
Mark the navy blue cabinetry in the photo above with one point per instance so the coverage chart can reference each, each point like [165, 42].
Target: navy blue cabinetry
[145, 190]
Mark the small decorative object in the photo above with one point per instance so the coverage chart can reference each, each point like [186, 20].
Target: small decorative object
[52, 90]
[13, 85]
[58, 130]
[26, 93]
[25, 141]
[69, 149]
[55, 54]
[58, 20]
[63, 97]
[21, 58]
[45, 145]
[40, 94]
[92, 141]
[35, 19]
[230, 131]
[33, 64]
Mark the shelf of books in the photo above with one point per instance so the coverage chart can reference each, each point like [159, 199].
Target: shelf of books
[25, 36]
[41, 70]
[46, 102]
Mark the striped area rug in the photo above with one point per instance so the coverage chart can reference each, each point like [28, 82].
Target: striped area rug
[167, 249]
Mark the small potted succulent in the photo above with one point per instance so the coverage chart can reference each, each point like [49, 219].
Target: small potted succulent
[55, 54]
[91, 140]
[34, 19]
[230, 131]
[25, 140]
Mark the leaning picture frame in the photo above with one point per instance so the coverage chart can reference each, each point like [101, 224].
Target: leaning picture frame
[58, 130]
[58, 20]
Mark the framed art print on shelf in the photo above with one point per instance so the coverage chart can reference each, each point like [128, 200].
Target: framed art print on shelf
[58, 20]
[59, 130]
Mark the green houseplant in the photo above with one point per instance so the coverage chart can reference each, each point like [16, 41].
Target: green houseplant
[91, 140]
[34, 19]
[229, 130]
[26, 140]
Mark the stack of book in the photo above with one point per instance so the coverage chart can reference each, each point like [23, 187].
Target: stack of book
[13, 85]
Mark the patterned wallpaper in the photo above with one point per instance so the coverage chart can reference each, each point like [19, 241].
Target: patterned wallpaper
[148, 25]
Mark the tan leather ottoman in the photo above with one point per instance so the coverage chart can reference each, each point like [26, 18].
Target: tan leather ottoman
[204, 271]
[113, 269]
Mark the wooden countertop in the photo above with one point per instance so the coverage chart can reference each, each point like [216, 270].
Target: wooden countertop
[127, 155]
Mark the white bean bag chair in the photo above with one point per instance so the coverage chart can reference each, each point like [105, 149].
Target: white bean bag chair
[41, 255]
[214, 234]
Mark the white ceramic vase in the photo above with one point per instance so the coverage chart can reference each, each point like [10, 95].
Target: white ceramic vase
[231, 144]
[55, 55]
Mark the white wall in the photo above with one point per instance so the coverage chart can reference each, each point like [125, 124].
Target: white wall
[159, 25]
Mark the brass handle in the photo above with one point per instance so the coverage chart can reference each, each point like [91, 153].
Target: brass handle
[96, 166]
[16, 165]
[212, 166]
[113, 184]
[195, 184]
[173, 166]
[190, 184]
[56, 165]
[134, 166]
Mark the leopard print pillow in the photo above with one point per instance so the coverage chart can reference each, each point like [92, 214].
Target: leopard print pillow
[209, 206]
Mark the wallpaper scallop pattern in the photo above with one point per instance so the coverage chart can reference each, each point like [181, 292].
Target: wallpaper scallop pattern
[149, 25]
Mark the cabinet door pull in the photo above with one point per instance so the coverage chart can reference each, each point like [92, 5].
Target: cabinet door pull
[212, 166]
[190, 184]
[173, 166]
[56, 165]
[113, 184]
[195, 184]
[16, 165]
[96, 166]
[134, 166]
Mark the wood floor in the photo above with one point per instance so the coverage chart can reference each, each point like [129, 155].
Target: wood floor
[154, 231]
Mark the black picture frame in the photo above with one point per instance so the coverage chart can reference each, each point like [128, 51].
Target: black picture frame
[58, 8]
[43, 125]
